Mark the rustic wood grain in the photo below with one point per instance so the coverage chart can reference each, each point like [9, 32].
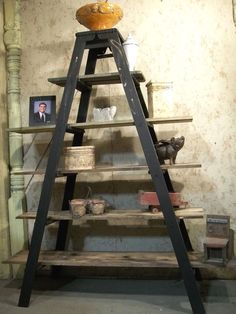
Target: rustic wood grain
[114, 259]
[108, 168]
[117, 216]
[96, 125]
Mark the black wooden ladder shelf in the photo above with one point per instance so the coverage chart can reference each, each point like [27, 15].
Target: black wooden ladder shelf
[97, 42]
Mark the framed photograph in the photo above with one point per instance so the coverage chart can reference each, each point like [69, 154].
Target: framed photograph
[42, 110]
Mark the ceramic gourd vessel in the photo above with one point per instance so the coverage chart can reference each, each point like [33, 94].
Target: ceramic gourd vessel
[99, 15]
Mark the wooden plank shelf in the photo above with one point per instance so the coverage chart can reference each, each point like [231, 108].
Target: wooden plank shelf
[98, 125]
[86, 81]
[114, 259]
[104, 259]
[63, 172]
[118, 216]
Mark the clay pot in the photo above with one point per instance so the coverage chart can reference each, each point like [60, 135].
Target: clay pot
[99, 15]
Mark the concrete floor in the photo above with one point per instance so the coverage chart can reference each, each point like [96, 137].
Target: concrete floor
[116, 296]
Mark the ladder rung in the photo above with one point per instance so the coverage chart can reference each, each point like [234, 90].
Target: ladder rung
[108, 55]
[85, 81]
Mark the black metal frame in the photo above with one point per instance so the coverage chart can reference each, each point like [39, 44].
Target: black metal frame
[97, 42]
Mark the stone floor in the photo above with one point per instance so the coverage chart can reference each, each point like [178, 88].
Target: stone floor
[116, 296]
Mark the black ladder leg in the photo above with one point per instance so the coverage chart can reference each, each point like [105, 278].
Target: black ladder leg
[50, 174]
[77, 141]
[165, 172]
[157, 176]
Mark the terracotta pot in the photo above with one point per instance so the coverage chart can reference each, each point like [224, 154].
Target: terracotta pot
[99, 15]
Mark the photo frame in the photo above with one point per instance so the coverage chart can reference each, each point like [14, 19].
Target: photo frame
[42, 110]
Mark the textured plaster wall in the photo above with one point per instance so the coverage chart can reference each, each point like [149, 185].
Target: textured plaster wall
[189, 42]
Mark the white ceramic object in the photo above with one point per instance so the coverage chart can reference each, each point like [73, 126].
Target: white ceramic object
[131, 50]
[104, 114]
[161, 99]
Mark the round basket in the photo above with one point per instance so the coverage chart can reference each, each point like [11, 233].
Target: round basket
[97, 206]
[78, 207]
[99, 15]
[79, 157]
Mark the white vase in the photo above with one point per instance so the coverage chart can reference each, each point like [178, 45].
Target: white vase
[104, 114]
[131, 50]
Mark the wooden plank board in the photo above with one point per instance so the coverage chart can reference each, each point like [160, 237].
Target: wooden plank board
[114, 259]
[103, 259]
[108, 168]
[97, 79]
[111, 168]
[186, 213]
[96, 125]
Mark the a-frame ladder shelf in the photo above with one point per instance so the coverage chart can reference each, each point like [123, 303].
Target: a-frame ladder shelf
[97, 43]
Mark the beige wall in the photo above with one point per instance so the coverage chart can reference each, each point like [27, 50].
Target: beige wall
[189, 42]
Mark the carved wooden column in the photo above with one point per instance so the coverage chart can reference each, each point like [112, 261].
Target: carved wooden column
[12, 42]
[234, 11]
[4, 182]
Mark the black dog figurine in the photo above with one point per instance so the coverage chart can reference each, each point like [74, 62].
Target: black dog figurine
[168, 149]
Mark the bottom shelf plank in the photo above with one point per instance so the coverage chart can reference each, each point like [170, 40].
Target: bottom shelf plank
[113, 259]
[184, 213]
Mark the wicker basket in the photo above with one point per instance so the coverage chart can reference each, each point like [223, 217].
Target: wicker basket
[78, 207]
[96, 206]
[79, 157]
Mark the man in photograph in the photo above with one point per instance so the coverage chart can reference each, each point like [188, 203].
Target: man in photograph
[41, 116]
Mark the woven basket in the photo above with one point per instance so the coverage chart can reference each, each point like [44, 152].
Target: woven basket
[79, 157]
[78, 207]
[96, 206]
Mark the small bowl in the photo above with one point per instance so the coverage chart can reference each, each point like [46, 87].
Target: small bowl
[100, 15]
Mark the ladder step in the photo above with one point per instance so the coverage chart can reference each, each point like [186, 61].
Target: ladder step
[84, 81]
[107, 55]
[108, 168]
[102, 124]
[186, 213]
[108, 259]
